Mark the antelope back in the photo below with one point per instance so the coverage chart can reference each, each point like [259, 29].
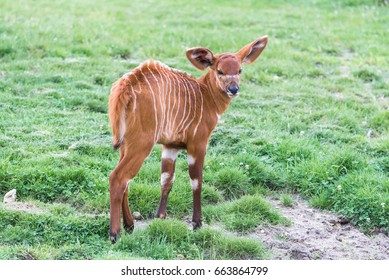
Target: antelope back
[161, 101]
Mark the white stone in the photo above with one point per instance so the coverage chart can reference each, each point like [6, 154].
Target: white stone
[10, 196]
[137, 216]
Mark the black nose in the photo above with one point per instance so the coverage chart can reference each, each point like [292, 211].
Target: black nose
[233, 89]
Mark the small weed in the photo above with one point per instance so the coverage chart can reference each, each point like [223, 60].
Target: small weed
[232, 182]
[367, 76]
[321, 201]
[169, 230]
[244, 214]
[166, 239]
[238, 249]
[287, 200]
[380, 121]
[219, 246]
[5, 50]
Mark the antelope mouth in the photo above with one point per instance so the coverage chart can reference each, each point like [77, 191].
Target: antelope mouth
[232, 95]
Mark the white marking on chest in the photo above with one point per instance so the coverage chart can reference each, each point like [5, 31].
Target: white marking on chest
[169, 154]
[164, 178]
[194, 184]
[191, 160]
[218, 117]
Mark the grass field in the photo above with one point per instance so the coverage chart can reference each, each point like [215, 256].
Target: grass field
[312, 118]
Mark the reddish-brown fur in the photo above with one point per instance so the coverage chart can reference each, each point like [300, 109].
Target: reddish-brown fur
[156, 104]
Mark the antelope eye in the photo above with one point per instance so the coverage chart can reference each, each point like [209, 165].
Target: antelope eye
[220, 72]
[240, 71]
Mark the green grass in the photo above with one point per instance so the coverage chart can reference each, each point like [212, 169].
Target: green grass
[300, 123]
[167, 239]
[287, 200]
[244, 214]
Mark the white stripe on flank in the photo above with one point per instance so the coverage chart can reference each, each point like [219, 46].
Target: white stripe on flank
[172, 102]
[187, 83]
[173, 117]
[155, 106]
[195, 109]
[166, 98]
[167, 101]
[173, 69]
[173, 91]
[127, 75]
[179, 101]
[184, 112]
[194, 184]
[180, 107]
[171, 107]
[201, 110]
[187, 102]
[159, 89]
[169, 154]
[134, 95]
[161, 100]
[138, 82]
[122, 128]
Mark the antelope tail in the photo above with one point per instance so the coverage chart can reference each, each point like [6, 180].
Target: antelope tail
[118, 101]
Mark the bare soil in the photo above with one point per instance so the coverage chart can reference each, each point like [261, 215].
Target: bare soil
[23, 206]
[313, 234]
[316, 234]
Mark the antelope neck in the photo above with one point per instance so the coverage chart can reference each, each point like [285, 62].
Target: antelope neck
[216, 97]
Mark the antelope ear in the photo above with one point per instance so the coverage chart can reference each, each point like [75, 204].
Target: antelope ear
[250, 52]
[200, 57]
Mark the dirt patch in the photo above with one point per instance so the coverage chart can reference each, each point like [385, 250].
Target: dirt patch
[23, 206]
[141, 224]
[315, 234]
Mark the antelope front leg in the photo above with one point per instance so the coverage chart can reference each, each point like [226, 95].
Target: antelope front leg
[167, 177]
[196, 163]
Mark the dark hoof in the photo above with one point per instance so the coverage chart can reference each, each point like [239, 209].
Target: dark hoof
[196, 225]
[113, 237]
[129, 229]
[161, 216]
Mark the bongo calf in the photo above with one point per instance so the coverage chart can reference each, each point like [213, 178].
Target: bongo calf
[157, 104]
